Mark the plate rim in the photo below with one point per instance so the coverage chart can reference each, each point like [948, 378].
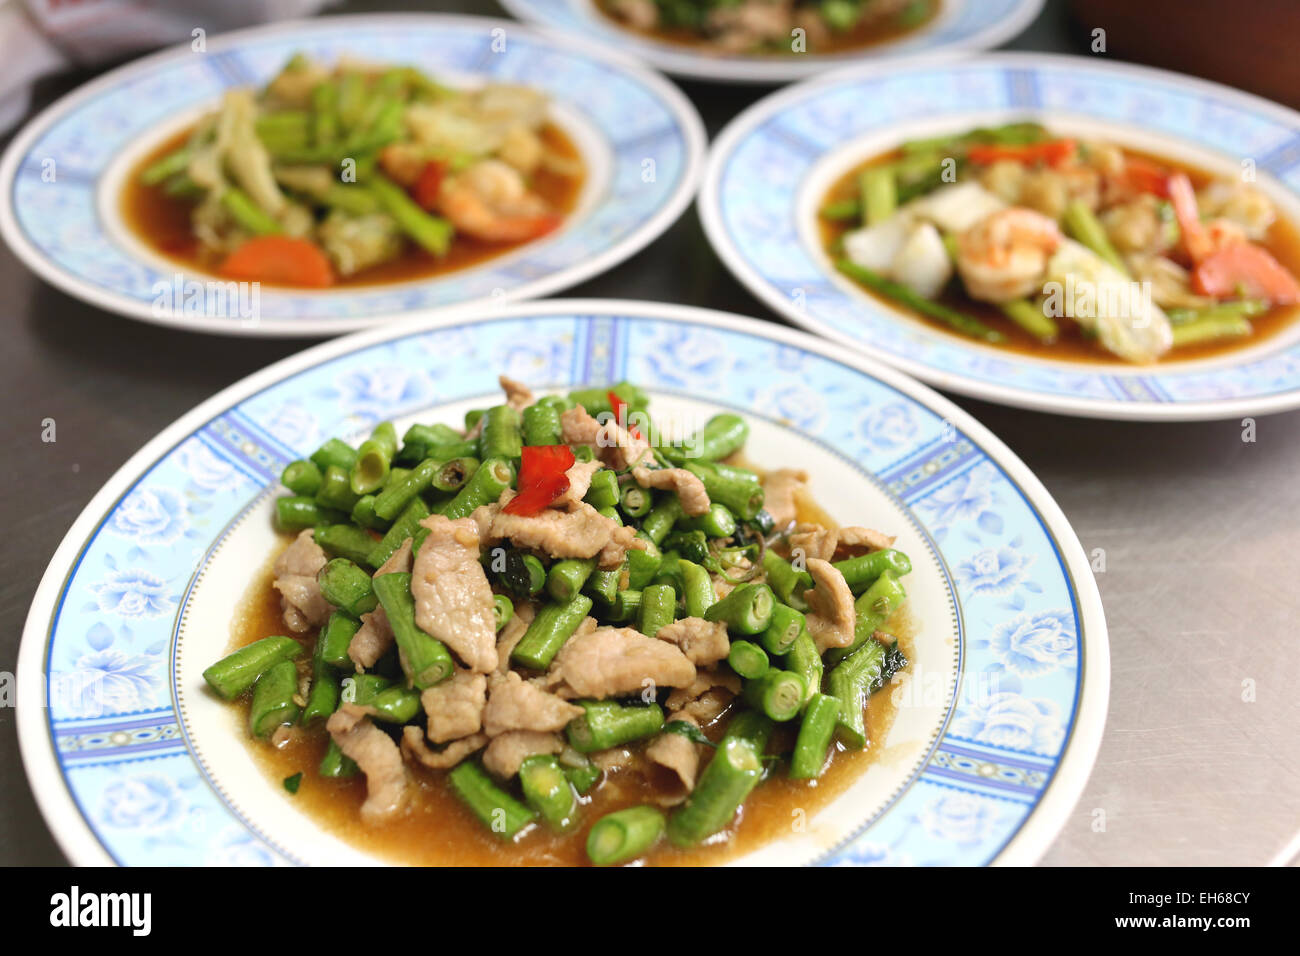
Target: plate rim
[695, 148]
[708, 207]
[750, 72]
[1029, 842]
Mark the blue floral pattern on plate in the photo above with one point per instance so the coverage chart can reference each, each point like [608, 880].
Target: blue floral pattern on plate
[114, 623]
[757, 230]
[634, 116]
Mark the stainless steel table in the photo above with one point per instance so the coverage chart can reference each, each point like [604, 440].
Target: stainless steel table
[1200, 533]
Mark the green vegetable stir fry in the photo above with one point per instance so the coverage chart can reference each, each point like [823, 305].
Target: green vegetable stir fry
[1139, 258]
[328, 172]
[553, 596]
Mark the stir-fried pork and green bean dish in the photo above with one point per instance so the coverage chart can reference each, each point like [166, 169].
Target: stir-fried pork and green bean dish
[1065, 247]
[592, 638]
[355, 173]
[772, 26]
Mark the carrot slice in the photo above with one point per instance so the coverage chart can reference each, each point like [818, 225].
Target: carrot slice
[1054, 152]
[283, 260]
[1144, 176]
[1245, 269]
[429, 184]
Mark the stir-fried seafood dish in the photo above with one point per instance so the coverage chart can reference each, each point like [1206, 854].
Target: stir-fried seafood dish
[355, 173]
[1065, 247]
[603, 646]
[772, 26]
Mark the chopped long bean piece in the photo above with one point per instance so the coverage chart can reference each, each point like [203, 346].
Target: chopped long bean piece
[814, 740]
[546, 789]
[746, 610]
[425, 659]
[497, 810]
[607, 723]
[273, 705]
[777, 693]
[553, 625]
[723, 786]
[1211, 329]
[431, 232]
[1083, 225]
[957, 321]
[624, 835]
[235, 673]
[783, 630]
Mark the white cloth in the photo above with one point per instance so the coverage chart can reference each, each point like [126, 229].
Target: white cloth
[40, 37]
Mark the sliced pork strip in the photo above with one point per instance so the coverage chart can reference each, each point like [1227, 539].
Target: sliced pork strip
[579, 428]
[579, 476]
[612, 444]
[621, 541]
[779, 489]
[613, 661]
[580, 531]
[688, 487]
[372, 640]
[679, 755]
[455, 707]
[514, 704]
[377, 756]
[295, 570]
[375, 636]
[415, 748]
[453, 600]
[857, 540]
[703, 642]
[813, 541]
[705, 698]
[518, 395]
[398, 562]
[482, 517]
[505, 753]
[832, 616]
[513, 633]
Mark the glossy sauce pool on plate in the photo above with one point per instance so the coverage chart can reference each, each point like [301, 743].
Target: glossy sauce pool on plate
[162, 222]
[437, 829]
[1283, 241]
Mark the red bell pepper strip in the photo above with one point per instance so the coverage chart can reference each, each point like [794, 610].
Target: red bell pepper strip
[1144, 176]
[1243, 269]
[1054, 152]
[542, 478]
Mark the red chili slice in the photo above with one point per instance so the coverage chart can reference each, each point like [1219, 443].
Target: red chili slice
[542, 478]
[620, 415]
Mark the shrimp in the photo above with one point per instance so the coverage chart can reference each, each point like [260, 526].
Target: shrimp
[490, 201]
[1004, 256]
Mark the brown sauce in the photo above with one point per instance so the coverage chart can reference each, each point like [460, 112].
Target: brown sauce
[871, 32]
[162, 222]
[1283, 241]
[437, 829]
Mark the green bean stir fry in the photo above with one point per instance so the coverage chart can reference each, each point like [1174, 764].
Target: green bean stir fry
[553, 596]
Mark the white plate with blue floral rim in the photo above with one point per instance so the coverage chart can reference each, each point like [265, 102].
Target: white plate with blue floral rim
[800, 140]
[960, 25]
[999, 719]
[61, 179]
